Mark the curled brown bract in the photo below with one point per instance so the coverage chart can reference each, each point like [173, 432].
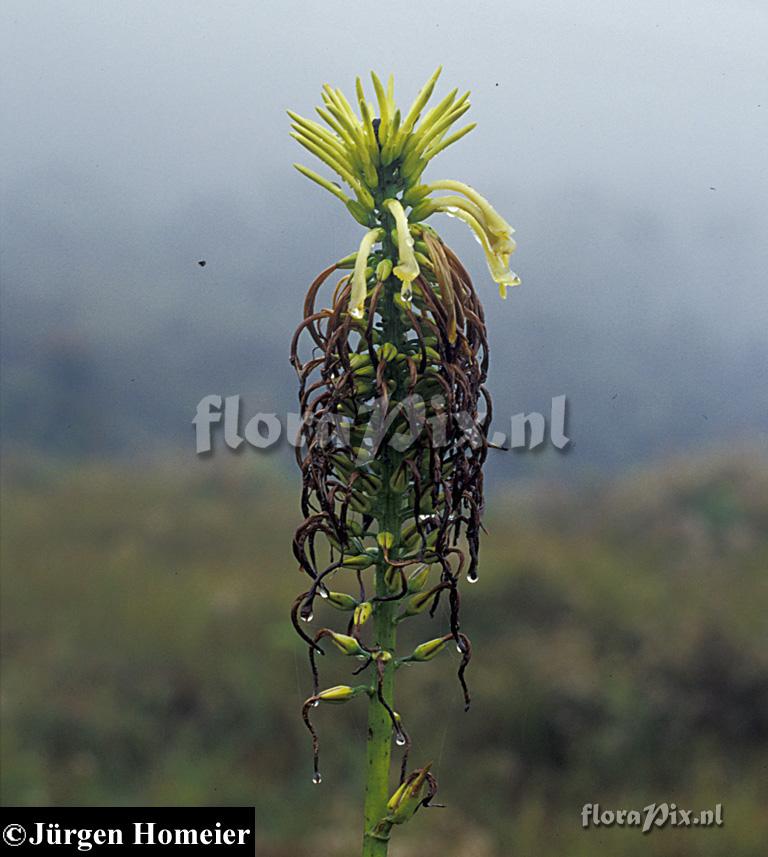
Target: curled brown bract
[362, 390]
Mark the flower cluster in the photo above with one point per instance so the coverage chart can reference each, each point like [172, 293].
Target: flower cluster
[363, 150]
[390, 530]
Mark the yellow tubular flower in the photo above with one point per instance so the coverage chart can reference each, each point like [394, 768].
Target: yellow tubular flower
[494, 222]
[359, 286]
[323, 182]
[434, 115]
[433, 135]
[435, 148]
[448, 203]
[381, 99]
[407, 268]
[498, 261]
[421, 99]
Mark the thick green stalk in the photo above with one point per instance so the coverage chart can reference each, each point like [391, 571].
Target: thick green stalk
[379, 745]
[379, 731]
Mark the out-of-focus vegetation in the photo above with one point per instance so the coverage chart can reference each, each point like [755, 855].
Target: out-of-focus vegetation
[621, 657]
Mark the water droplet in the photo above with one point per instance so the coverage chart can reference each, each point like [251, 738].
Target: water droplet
[307, 617]
[460, 648]
[472, 578]
[322, 591]
[316, 703]
[400, 739]
[316, 778]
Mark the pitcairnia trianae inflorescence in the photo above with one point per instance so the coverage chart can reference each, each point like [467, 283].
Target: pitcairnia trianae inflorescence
[395, 417]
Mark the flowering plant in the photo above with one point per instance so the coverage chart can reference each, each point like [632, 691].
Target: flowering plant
[392, 518]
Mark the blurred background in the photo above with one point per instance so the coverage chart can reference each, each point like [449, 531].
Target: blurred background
[619, 629]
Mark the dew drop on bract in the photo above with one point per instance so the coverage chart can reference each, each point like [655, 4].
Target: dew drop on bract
[316, 778]
[316, 703]
[307, 617]
[472, 578]
[400, 739]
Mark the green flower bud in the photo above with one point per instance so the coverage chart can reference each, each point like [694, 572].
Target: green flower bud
[348, 262]
[385, 540]
[415, 539]
[416, 194]
[371, 481]
[357, 361]
[355, 527]
[417, 604]
[408, 797]
[427, 651]
[422, 210]
[412, 540]
[400, 478]
[340, 693]
[384, 270]
[362, 613]
[341, 601]
[332, 540]
[364, 388]
[343, 464]
[361, 214]
[360, 561]
[388, 352]
[362, 505]
[418, 578]
[346, 644]
[392, 578]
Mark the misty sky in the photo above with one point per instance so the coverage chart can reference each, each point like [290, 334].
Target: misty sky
[627, 142]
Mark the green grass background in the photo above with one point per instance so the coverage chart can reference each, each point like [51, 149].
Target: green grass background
[621, 657]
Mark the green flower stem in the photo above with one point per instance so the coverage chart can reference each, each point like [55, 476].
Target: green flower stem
[379, 730]
[379, 749]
